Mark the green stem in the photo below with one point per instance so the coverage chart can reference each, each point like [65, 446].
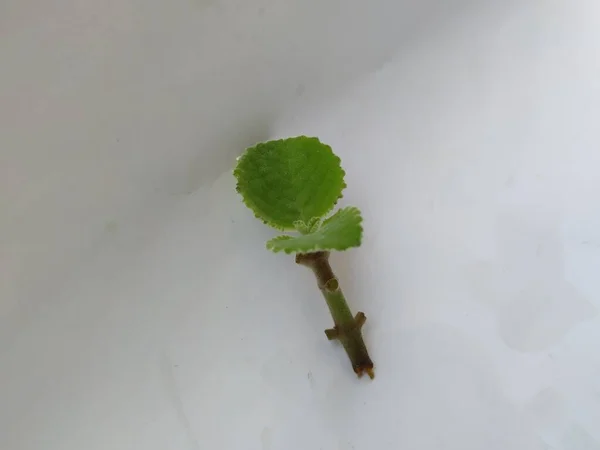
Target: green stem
[347, 328]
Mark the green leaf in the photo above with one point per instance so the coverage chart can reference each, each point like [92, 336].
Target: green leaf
[305, 228]
[340, 232]
[290, 180]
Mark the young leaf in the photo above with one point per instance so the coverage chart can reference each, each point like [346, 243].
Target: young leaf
[290, 180]
[340, 232]
[305, 228]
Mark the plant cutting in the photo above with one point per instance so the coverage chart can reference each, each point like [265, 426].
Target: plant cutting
[293, 185]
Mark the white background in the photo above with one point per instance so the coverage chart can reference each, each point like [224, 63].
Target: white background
[138, 306]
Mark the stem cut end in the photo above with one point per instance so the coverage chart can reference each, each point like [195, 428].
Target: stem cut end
[370, 372]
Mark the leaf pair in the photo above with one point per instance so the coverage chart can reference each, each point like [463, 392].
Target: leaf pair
[292, 184]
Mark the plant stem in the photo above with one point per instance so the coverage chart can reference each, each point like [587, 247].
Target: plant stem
[347, 328]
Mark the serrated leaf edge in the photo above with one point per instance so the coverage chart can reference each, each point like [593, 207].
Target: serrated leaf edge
[317, 247]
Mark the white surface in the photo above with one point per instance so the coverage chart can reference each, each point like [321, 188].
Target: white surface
[139, 307]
